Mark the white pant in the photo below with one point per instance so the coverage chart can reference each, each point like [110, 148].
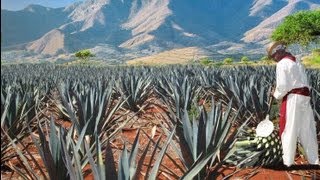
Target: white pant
[300, 124]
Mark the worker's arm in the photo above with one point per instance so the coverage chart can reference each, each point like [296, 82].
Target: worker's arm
[282, 81]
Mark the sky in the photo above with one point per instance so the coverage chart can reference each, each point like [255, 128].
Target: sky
[20, 4]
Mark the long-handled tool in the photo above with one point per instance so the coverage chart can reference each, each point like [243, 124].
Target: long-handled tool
[266, 127]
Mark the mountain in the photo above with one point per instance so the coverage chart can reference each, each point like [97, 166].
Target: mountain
[118, 30]
[265, 28]
[31, 23]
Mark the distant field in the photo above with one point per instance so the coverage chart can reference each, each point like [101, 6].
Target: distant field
[194, 54]
[312, 61]
[176, 56]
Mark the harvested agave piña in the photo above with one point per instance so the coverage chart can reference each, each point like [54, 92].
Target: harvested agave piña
[251, 150]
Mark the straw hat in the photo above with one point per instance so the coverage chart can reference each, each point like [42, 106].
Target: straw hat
[274, 46]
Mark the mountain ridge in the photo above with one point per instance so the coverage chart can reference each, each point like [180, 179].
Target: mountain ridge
[136, 28]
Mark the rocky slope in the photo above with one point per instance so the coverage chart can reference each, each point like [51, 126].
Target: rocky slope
[134, 28]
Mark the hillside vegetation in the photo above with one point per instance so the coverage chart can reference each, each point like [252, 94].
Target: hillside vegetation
[313, 60]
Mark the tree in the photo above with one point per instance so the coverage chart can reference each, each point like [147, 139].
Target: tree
[84, 55]
[228, 61]
[245, 59]
[299, 28]
[206, 61]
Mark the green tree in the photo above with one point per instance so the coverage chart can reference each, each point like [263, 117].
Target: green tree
[301, 28]
[245, 59]
[84, 55]
[228, 61]
[206, 61]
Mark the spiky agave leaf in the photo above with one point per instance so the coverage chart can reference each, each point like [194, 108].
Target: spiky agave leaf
[96, 104]
[100, 168]
[51, 151]
[256, 151]
[127, 162]
[72, 158]
[27, 172]
[155, 169]
[221, 127]
[177, 93]
[136, 90]
[250, 95]
[315, 102]
[206, 137]
[17, 109]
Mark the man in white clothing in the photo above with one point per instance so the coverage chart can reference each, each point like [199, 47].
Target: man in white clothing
[296, 115]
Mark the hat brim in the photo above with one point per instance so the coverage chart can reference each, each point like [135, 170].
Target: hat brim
[273, 46]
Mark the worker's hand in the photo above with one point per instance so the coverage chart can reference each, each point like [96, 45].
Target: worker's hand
[273, 89]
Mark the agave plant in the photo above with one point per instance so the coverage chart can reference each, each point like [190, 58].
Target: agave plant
[17, 112]
[91, 100]
[178, 93]
[203, 137]
[127, 163]
[74, 159]
[251, 150]
[316, 103]
[26, 172]
[155, 168]
[251, 92]
[102, 169]
[136, 90]
[314, 80]
[129, 167]
[88, 104]
[51, 151]
[61, 155]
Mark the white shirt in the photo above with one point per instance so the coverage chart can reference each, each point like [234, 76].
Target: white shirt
[290, 75]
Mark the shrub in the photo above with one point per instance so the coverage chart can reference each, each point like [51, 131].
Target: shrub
[206, 61]
[245, 59]
[84, 55]
[228, 61]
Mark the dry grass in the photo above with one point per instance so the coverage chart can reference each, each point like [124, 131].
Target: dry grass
[312, 61]
[175, 56]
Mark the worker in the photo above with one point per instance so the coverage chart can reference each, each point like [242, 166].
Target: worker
[296, 115]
